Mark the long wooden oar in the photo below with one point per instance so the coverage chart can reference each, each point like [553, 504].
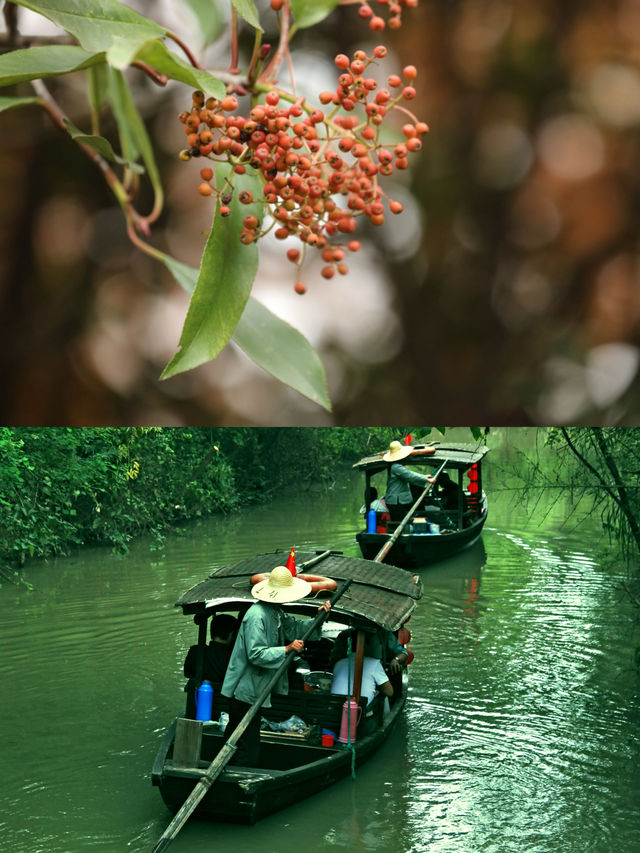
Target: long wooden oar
[224, 756]
[382, 553]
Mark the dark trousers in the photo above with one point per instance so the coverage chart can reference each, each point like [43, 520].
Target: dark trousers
[398, 511]
[247, 753]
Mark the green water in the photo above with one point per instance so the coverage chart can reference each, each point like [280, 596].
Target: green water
[520, 732]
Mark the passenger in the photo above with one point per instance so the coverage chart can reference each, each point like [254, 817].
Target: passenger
[216, 657]
[374, 677]
[375, 503]
[447, 491]
[259, 650]
[398, 497]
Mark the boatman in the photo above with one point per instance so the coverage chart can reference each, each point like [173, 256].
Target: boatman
[263, 641]
[398, 497]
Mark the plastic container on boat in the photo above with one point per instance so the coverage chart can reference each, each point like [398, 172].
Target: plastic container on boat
[371, 521]
[204, 701]
[351, 712]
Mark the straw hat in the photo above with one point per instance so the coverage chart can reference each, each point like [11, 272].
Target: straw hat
[281, 586]
[397, 451]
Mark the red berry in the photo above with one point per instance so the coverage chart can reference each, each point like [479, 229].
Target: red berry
[410, 72]
[293, 255]
[205, 189]
[341, 61]
[299, 287]
[396, 206]
[225, 210]
[377, 24]
[229, 104]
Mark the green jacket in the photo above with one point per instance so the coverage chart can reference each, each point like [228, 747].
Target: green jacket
[259, 650]
[398, 480]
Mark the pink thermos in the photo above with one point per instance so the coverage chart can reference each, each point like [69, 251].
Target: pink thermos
[351, 712]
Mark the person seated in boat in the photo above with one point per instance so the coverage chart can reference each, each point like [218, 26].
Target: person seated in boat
[375, 502]
[374, 678]
[398, 496]
[266, 635]
[447, 491]
[216, 657]
[379, 507]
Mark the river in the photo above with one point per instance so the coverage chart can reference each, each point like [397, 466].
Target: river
[520, 733]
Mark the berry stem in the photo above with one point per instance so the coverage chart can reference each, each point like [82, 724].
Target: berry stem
[160, 79]
[270, 73]
[185, 48]
[254, 62]
[233, 68]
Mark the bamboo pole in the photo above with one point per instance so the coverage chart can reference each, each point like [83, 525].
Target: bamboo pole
[382, 553]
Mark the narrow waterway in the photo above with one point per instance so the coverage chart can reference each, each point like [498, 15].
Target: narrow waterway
[521, 731]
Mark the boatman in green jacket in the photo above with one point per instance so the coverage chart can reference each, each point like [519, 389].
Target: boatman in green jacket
[265, 637]
[398, 497]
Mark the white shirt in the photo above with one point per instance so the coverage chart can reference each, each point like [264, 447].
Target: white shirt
[373, 675]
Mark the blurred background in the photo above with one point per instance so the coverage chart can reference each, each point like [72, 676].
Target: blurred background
[506, 293]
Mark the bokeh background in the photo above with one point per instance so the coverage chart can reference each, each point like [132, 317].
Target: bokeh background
[507, 293]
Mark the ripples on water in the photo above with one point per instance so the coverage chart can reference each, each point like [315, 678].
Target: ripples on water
[520, 732]
[525, 716]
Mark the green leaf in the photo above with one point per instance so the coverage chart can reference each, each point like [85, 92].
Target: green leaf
[247, 10]
[185, 275]
[270, 342]
[159, 57]
[282, 351]
[306, 13]
[226, 276]
[34, 63]
[8, 103]
[134, 138]
[100, 25]
[101, 145]
[97, 85]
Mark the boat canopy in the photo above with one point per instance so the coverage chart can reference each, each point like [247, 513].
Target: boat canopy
[379, 593]
[459, 456]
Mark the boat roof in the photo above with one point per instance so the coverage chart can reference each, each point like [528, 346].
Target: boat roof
[454, 455]
[379, 593]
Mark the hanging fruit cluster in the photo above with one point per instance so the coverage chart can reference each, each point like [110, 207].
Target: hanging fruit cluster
[320, 169]
[393, 9]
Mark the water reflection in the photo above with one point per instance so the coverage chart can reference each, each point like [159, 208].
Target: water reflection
[520, 731]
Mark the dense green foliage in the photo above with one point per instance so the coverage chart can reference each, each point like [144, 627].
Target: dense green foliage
[64, 487]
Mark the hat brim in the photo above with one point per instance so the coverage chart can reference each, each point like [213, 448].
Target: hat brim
[264, 591]
[391, 456]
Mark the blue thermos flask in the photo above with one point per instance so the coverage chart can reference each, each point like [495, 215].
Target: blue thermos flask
[371, 521]
[204, 700]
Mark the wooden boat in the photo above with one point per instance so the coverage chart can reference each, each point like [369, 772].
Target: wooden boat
[295, 764]
[437, 530]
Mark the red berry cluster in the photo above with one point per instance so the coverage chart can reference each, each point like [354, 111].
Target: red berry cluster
[308, 158]
[394, 9]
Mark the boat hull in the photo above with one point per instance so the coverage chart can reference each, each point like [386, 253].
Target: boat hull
[246, 795]
[413, 550]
